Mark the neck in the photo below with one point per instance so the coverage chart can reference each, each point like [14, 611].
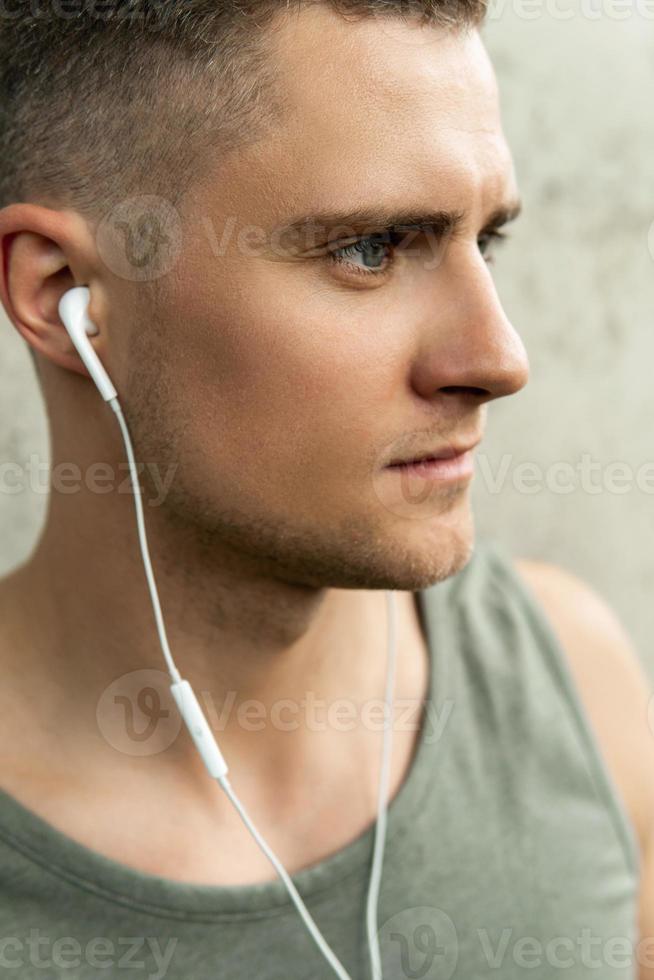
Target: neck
[77, 618]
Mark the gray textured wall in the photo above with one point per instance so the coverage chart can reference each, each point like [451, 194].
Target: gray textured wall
[577, 281]
[577, 278]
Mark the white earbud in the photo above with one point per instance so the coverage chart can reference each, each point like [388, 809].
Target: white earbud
[73, 307]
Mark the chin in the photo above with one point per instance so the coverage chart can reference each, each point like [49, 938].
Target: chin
[405, 556]
[429, 553]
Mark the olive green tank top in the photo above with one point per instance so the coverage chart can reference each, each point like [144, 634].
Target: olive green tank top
[509, 852]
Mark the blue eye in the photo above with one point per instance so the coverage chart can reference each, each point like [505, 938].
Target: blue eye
[373, 255]
[371, 250]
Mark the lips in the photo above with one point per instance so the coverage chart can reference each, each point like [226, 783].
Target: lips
[446, 452]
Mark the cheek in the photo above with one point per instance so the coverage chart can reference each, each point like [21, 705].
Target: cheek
[285, 387]
[279, 406]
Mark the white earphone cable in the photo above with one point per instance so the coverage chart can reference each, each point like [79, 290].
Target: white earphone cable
[143, 541]
[382, 800]
[382, 804]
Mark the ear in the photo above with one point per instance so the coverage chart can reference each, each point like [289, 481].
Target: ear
[44, 253]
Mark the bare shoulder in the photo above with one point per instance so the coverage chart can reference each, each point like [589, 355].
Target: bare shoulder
[611, 682]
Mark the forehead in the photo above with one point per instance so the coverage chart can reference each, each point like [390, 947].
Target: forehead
[375, 107]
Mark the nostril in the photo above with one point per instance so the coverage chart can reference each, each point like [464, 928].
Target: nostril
[456, 389]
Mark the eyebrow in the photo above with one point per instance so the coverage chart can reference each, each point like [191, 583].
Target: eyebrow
[441, 222]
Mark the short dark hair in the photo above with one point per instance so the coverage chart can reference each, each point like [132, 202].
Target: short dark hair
[102, 99]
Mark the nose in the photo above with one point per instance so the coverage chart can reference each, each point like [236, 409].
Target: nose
[469, 346]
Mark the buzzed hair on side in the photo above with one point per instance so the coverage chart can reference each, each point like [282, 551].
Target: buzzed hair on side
[103, 99]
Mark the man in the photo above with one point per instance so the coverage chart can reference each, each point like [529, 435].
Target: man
[302, 303]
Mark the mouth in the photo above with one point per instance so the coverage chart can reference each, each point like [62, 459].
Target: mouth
[447, 463]
[445, 452]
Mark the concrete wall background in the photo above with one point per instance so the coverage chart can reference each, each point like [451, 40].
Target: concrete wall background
[577, 279]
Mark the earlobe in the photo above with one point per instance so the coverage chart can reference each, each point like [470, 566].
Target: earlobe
[46, 334]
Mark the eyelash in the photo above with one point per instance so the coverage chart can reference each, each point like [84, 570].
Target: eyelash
[392, 239]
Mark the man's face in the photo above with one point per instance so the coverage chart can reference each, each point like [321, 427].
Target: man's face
[281, 378]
